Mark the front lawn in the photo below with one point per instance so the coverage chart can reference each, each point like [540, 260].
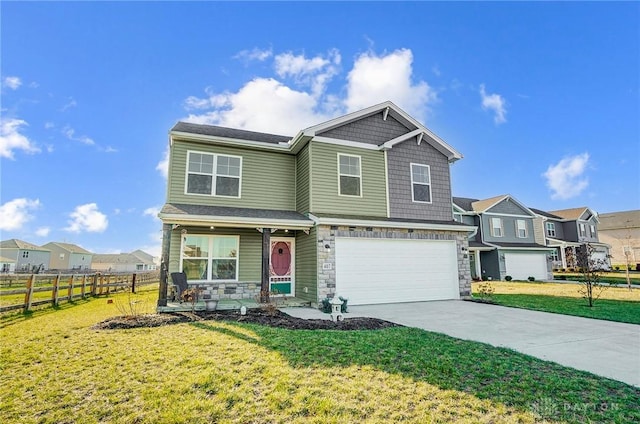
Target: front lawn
[615, 304]
[54, 368]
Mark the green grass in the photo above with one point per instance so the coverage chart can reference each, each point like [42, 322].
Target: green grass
[606, 277]
[54, 368]
[612, 310]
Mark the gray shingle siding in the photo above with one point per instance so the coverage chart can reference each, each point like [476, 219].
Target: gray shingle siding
[508, 208]
[401, 205]
[508, 230]
[372, 130]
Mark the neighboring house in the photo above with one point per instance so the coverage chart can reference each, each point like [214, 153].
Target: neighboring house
[67, 256]
[123, 262]
[358, 206]
[28, 257]
[504, 244]
[565, 231]
[621, 231]
[7, 266]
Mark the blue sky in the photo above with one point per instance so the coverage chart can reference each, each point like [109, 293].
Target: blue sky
[542, 99]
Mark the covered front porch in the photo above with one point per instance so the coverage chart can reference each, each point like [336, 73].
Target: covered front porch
[206, 305]
[229, 257]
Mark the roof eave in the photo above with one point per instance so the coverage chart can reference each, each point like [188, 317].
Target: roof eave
[234, 221]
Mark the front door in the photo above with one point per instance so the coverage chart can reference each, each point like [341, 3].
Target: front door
[281, 267]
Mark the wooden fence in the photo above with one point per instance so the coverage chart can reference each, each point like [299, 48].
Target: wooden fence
[26, 291]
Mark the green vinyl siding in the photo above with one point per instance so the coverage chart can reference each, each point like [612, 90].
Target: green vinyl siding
[302, 180]
[249, 255]
[306, 266]
[267, 178]
[324, 180]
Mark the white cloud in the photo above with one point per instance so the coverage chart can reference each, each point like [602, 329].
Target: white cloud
[70, 133]
[153, 212]
[87, 218]
[496, 103]
[43, 231]
[48, 125]
[375, 79]
[11, 139]
[15, 213]
[71, 103]
[566, 178]
[163, 165]
[12, 82]
[254, 54]
[301, 97]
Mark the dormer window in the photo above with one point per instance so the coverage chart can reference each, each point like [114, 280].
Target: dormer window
[551, 229]
[349, 175]
[213, 175]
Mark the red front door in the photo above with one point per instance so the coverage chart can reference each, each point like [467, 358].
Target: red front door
[281, 267]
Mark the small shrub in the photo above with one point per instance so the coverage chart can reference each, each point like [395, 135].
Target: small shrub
[343, 307]
[617, 268]
[325, 305]
[508, 278]
[531, 278]
[562, 277]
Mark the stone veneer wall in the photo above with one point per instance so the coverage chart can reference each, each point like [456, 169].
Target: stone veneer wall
[327, 235]
[229, 290]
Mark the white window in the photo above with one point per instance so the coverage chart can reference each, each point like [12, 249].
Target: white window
[62, 256]
[210, 258]
[521, 228]
[583, 230]
[349, 175]
[554, 256]
[496, 227]
[551, 229]
[213, 175]
[420, 183]
[593, 231]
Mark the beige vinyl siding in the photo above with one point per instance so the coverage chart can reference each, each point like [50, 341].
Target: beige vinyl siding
[249, 255]
[267, 178]
[302, 181]
[306, 266]
[324, 177]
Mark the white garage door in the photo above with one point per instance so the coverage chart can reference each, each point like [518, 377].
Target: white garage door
[372, 271]
[521, 266]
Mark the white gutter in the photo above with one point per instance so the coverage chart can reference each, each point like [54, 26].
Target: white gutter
[390, 224]
[230, 221]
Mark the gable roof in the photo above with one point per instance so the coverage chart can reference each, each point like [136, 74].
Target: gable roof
[69, 247]
[7, 260]
[386, 108]
[483, 205]
[619, 220]
[19, 244]
[544, 213]
[115, 258]
[143, 256]
[232, 133]
[573, 213]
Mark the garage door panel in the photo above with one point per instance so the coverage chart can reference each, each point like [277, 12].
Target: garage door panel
[521, 266]
[388, 270]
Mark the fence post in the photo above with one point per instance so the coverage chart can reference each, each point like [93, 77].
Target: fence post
[54, 292]
[84, 283]
[133, 283]
[70, 290]
[94, 285]
[29, 294]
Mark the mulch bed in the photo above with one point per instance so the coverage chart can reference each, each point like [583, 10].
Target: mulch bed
[258, 316]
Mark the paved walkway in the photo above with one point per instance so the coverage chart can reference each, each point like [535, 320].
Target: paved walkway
[609, 349]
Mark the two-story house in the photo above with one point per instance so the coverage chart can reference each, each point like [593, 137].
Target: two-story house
[27, 256]
[565, 231]
[621, 231]
[68, 256]
[504, 243]
[358, 206]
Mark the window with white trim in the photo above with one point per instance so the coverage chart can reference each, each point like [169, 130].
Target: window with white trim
[496, 227]
[213, 175]
[420, 183]
[593, 230]
[210, 258]
[583, 230]
[554, 255]
[551, 229]
[349, 175]
[521, 228]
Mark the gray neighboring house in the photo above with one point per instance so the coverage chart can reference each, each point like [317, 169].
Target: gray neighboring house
[504, 243]
[137, 261]
[68, 256]
[565, 231]
[7, 266]
[28, 257]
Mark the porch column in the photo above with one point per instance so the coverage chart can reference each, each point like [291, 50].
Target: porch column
[266, 251]
[164, 264]
[563, 257]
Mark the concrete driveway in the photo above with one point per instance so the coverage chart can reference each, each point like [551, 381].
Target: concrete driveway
[609, 349]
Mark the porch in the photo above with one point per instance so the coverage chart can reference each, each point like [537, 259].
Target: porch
[210, 305]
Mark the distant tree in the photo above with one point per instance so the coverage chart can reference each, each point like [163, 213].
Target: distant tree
[590, 266]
